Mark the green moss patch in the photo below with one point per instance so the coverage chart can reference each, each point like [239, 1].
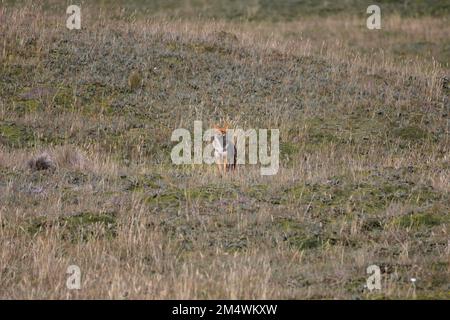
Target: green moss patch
[297, 235]
[15, 135]
[175, 196]
[79, 227]
[417, 220]
[410, 133]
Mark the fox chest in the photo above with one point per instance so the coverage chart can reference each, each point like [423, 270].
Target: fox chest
[222, 147]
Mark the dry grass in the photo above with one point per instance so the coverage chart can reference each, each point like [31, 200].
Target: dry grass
[364, 179]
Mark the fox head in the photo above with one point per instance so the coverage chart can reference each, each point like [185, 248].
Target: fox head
[221, 129]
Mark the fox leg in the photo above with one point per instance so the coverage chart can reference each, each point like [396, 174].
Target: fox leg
[235, 157]
[219, 167]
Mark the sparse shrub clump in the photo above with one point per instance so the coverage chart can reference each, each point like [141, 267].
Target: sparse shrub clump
[42, 162]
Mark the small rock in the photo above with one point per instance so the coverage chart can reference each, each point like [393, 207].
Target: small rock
[134, 80]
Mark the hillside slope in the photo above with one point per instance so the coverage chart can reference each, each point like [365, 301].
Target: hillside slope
[364, 175]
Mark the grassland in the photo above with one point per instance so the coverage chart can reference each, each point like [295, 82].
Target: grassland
[365, 162]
